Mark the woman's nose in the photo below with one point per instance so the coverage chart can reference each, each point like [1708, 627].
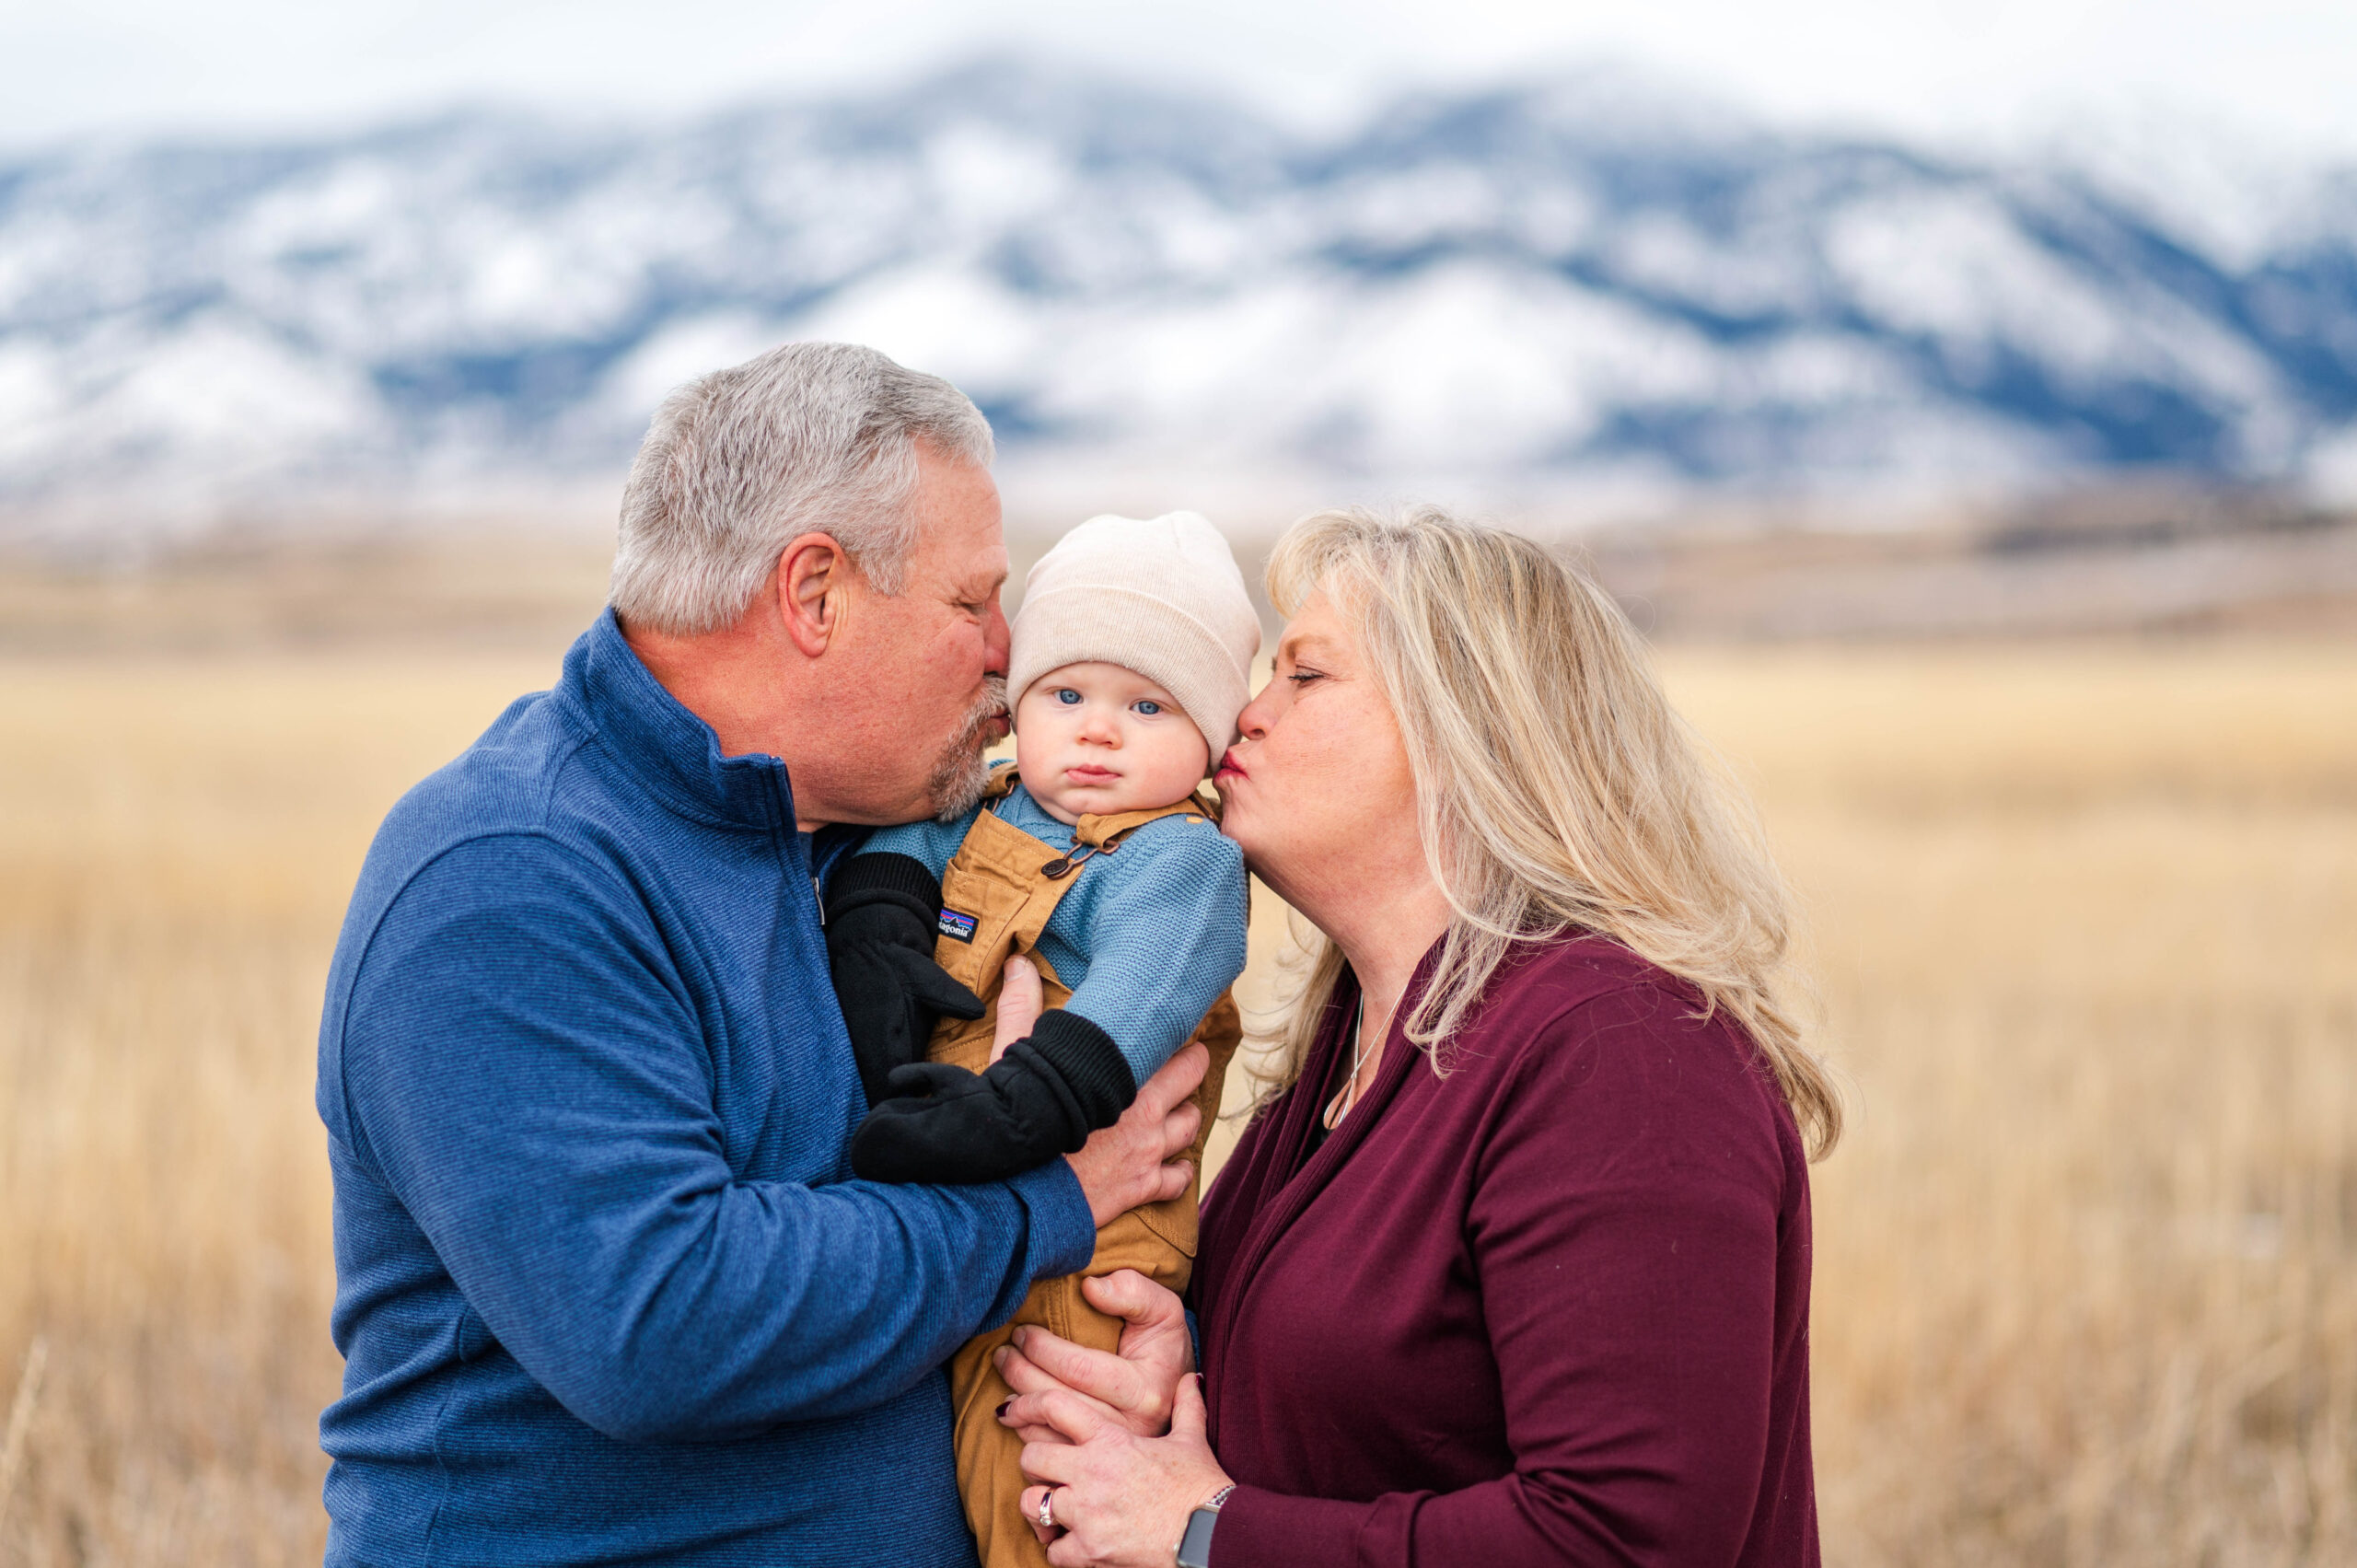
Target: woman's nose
[1253, 722]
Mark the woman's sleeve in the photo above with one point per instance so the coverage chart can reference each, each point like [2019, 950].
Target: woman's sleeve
[1623, 1231]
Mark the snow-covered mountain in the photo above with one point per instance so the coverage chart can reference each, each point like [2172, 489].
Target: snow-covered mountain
[1575, 282]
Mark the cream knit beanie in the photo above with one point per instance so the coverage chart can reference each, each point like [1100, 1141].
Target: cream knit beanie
[1161, 597]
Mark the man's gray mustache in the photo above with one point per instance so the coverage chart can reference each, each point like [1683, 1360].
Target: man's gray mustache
[960, 774]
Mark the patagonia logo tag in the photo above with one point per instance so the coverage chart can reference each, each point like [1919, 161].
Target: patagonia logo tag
[956, 927]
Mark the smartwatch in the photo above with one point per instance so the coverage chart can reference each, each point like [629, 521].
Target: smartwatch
[1194, 1547]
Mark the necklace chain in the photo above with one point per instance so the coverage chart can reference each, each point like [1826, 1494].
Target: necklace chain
[1348, 1099]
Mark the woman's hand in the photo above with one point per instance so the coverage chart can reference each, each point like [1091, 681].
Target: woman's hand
[1119, 1500]
[1136, 1386]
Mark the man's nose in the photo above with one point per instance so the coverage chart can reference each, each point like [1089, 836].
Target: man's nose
[995, 639]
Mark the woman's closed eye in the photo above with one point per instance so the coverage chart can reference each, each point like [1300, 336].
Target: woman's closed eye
[1302, 675]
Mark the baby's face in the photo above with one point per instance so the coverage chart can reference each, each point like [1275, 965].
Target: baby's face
[1098, 738]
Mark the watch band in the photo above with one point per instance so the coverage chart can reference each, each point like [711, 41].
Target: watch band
[1194, 1547]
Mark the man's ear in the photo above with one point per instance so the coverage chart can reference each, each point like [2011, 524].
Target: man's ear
[813, 577]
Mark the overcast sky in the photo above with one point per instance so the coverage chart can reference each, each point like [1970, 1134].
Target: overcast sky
[2281, 67]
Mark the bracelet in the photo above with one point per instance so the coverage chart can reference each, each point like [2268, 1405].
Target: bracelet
[1218, 1497]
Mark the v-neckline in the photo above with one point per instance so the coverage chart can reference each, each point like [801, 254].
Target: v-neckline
[1312, 1174]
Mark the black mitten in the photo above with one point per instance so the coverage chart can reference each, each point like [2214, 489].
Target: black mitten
[881, 915]
[1041, 1099]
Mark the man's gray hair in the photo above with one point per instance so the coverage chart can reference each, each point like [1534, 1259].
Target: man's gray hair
[808, 438]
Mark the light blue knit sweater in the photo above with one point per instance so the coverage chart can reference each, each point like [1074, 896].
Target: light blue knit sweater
[1147, 936]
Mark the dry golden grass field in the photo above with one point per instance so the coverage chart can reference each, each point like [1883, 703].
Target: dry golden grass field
[2084, 922]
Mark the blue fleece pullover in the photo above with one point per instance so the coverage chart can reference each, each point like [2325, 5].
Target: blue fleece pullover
[1146, 937]
[605, 1290]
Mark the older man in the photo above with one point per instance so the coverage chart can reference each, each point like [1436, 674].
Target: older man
[604, 1289]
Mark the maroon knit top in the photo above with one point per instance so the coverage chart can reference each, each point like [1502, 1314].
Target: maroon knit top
[1552, 1307]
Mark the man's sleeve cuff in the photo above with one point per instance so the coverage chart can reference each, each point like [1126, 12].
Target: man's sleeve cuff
[1063, 1231]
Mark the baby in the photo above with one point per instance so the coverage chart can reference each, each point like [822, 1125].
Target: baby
[1094, 857]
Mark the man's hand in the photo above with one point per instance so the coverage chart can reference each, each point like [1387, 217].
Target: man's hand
[1139, 1158]
[1135, 1386]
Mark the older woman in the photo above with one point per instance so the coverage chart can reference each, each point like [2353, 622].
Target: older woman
[1513, 1265]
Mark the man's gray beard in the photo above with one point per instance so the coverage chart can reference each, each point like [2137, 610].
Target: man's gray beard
[961, 775]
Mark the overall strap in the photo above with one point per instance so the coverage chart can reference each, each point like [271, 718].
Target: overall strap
[998, 894]
[994, 902]
[994, 879]
[1103, 835]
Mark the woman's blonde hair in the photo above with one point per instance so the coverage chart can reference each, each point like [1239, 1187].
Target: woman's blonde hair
[1556, 790]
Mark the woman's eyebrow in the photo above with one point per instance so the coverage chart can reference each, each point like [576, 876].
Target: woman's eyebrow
[1294, 648]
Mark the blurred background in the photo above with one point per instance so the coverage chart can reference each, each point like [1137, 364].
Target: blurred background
[1962, 398]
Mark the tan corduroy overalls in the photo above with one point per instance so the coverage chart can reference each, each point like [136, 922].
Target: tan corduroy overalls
[1008, 883]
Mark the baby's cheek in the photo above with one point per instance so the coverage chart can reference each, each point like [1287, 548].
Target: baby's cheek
[1035, 761]
[1181, 760]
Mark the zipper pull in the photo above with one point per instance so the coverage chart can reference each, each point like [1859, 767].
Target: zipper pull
[818, 897]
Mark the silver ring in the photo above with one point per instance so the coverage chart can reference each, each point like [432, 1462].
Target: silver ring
[1047, 1509]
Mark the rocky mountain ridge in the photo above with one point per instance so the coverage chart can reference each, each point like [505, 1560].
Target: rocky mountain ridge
[1577, 283]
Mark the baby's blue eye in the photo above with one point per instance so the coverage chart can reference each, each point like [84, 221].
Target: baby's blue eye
[1067, 696]
[1147, 705]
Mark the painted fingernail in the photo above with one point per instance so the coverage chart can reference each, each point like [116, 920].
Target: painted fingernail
[1002, 1408]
